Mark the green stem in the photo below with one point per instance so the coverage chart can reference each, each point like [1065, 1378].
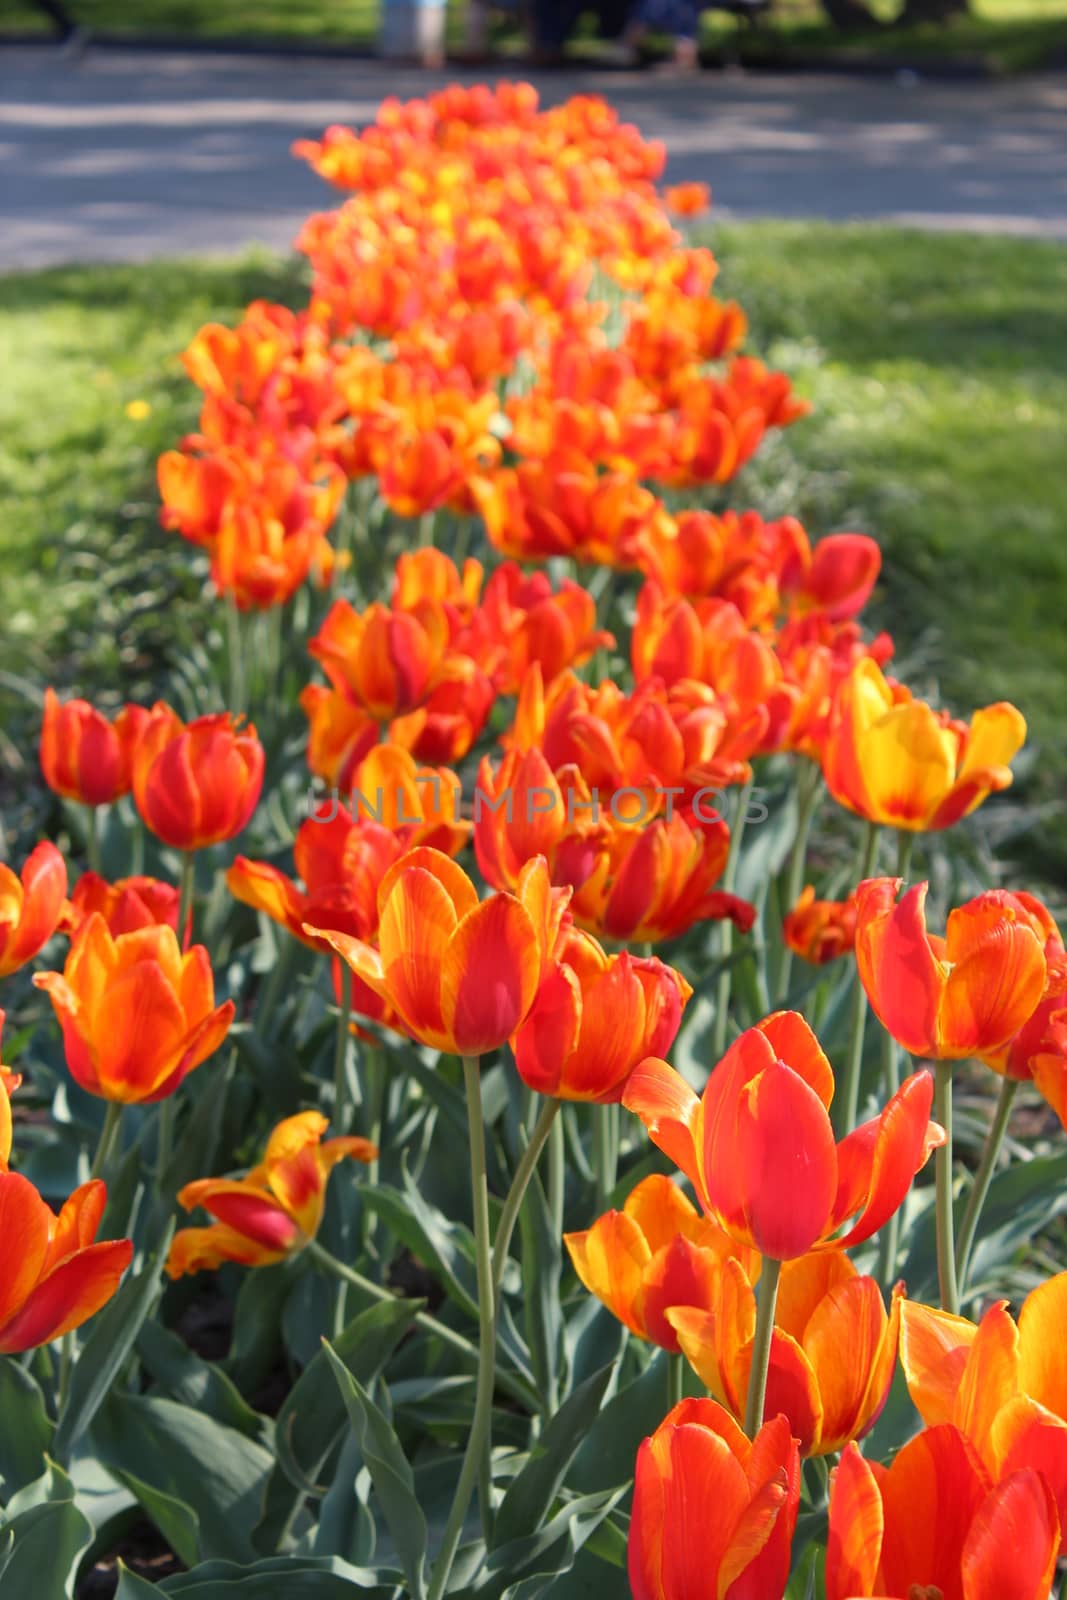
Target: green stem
[983, 1178]
[66, 1367]
[513, 1385]
[519, 1184]
[92, 839]
[426, 522]
[675, 1380]
[235, 653]
[946, 1254]
[726, 928]
[605, 1151]
[165, 1128]
[809, 787]
[340, 1052]
[186, 889]
[481, 1422]
[766, 1300]
[850, 1100]
[108, 1135]
[557, 1175]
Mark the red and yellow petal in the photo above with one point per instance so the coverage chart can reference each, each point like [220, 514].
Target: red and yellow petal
[1011, 1549]
[67, 1296]
[672, 1114]
[902, 976]
[934, 1347]
[857, 1529]
[878, 1161]
[490, 974]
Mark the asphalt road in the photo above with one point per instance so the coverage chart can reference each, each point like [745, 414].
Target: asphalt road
[132, 154]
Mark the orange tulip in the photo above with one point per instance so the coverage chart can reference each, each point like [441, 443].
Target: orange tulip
[419, 804]
[272, 1212]
[126, 904]
[196, 785]
[595, 1017]
[340, 733]
[1038, 1051]
[687, 199]
[760, 1151]
[9, 1082]
[137, 1015]
[896, 761]
[30, 906]
[532, 624]
[52, 1276]
[658, 1252]
[713, 1513]
[934, 1526]
[945, 999]
[1002, 1385]
[460, 973]
[85, 757]
[832, 1352]
[820, 930]
[387, 661]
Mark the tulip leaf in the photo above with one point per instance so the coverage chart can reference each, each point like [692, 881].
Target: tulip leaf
[256, 1339]
[531, 1493]
[103, 1355]
[47, 1544]
[607, 1455]
[541, 1260]
[213, 1470]
[131, 1587]
[177, 1522]
[183, 1376]
[291, 1577]
[53, 1484]
[391, 1473]
[346, 1527]
[429, 1235]
[527, 1567]
[26, 1433]
[807, 1581]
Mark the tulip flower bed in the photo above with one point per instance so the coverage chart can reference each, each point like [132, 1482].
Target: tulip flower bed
[421, 1163]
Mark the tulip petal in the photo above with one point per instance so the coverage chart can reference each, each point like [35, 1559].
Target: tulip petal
[1011, 1549]
[672, 1114]
[852, 1350]
[1042, 1371]
[645, 1546]
[549, 1036]
[1025, 1434]
[610, 1259]
[902, 977]
[930, 1496]
[881, 1157]
[68, 1295]
[76, 1225]
[662, 1211]
[24, 1231]
[242, 1206]
[997, 733]
[204, 1249]
[996, 982]
[703, 1472]
[792, 1390]
[857, 1529]
[792, 1040]
[802, 1285]
[490, 975]
[990, 1378]
[934, 1346]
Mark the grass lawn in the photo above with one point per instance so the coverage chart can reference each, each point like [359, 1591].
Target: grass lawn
[938, 368]
[1005, 35]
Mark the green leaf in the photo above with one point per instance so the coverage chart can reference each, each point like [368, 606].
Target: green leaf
[53, 1484]
[527, 1567]
[104, 1352]
[807, 1580]
[25, 1433]
[606, 1458]
[215, 1471]
[430, 1235]
[346, 1527]
[181, 1373]
[48, 1542]
[530, 1495]
[279, 1578]
[256, 1338]
[391, 1472]
[177, 1522]
[131, 1587]
[540, 1281]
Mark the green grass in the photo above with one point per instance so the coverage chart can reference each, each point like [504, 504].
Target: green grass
[937, 364]
[1004, 35]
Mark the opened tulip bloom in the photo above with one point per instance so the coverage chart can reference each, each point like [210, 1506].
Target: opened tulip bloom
[52, 1276]
[30, 906]
[272, 1212]
[896, 761]
[1003, 1385]
[126, 904]
[137, 1014]
[196, 785]
[833, 1350]
[946, 999]
[759, 1149]
[935, 1527]
[460, 973]
[595, 1017]
[85, 757]
[713, 1512]
[658, 1252]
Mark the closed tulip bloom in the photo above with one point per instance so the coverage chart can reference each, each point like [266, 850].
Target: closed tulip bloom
[137, 1014]
[1002, 1384]
[460, 973]
[820, 931]
[52, 1276]
[894, 760]
[271, 1212]
[714, 1512]
[30, 906]
[945, 999]
[759, 1149]
[833, 1350]
[658, 1252]
[387, 661]
[85, 757]
[126, 904]
[1038, 1051]
[595, 1017]
[196, 785]
[9, 1082]
[934, 1527]
[687, 199]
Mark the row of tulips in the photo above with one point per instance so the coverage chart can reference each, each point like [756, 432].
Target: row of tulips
[508, 337]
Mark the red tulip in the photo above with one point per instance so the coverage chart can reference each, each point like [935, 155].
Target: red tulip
[30, 906]
[197, 785]
[85, 757]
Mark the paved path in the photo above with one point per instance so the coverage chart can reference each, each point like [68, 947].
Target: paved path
[125, 154]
